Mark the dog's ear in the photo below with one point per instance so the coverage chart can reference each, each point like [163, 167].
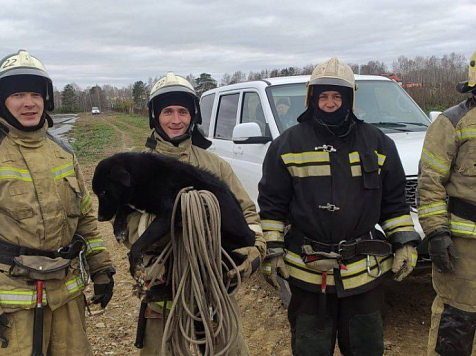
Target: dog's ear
[120, 175]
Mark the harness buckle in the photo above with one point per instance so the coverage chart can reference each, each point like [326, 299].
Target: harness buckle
[369, 270]
[329, 207]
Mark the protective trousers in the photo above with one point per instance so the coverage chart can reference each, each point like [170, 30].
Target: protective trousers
[64, 331]
[155, 330]
[453, 314]
[355, 321]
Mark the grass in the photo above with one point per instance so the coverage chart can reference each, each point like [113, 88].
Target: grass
[141, 122]
[90, 140]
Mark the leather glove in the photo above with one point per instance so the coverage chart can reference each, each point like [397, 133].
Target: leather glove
[4, 324]
[441, 246]
[103, 288]
[404, 261]
[274, 264]
[250, 264]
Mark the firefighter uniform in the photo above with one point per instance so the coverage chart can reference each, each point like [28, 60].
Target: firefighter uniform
[189, 149]
[447, 189]
[43, 203]
[333, 189]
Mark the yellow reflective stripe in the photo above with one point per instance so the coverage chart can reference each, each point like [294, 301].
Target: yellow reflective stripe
[266, 267]
[168, 304]
[296, 260]
[414, 259]
[381, 158]
[403, 220]
[63, 171]
[357, 280]
[356, 171]
[310, 171]
[462, 228]
[400, 229]
[75, 284]
[305, 157]
[273, 225]
[435, 162]
[23, 298]
[86, 203]
[466, 133]
[94, 245]
[432, 209]
[354, 157]
[15, 173]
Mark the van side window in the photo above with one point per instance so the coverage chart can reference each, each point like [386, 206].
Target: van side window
[226, 118]
[206, 105]
[252, 111]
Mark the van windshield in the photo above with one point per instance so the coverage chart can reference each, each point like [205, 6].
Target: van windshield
[381, 103]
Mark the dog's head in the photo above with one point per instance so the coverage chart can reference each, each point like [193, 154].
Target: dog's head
[112, 185]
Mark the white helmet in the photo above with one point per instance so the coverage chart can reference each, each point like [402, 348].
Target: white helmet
[331, 72]
[470, 84]
[22, 63]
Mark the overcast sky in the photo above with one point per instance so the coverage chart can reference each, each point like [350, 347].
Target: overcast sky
[119, 42]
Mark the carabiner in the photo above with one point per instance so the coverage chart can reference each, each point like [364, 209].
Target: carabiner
[369, 270]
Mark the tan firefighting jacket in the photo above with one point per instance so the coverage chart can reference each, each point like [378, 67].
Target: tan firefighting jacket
[43, 203]
[203, 159]
[448, 168]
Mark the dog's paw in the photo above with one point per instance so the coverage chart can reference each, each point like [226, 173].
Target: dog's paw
[136, 266]
[120, 236]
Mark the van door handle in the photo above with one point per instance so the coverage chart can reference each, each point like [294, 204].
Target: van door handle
[212, 148]
[238, 151]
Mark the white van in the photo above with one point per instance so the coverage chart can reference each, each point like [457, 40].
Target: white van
[242, 119]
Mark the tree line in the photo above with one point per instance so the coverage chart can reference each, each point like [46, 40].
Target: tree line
[429, 80]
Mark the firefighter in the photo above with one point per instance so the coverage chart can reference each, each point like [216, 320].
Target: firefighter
[447, 212]
[49, 231]
[174, 116]
[333, 177]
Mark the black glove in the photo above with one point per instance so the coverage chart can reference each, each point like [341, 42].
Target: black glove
[441, 246]
[103, 291]
[4, 323]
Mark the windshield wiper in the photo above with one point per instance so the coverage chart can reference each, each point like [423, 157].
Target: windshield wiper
[391, 125]
[412, 123]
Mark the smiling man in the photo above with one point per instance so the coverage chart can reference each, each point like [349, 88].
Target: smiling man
[333, 178]
[47, 224]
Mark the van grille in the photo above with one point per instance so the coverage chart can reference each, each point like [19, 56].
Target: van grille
[411, 191]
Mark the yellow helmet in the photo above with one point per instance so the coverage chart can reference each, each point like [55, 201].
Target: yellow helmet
[22, 63]
[470, 84]
[331, 72]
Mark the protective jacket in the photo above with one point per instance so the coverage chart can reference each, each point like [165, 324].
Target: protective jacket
[186, 152]
[43, 203]
[332, 189]
[447, 169]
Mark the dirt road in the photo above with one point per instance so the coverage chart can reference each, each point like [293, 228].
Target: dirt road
[112, 331]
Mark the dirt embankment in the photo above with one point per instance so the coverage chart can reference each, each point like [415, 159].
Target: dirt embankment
[112, 332]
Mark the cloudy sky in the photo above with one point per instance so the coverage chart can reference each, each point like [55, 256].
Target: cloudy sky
[118, 42]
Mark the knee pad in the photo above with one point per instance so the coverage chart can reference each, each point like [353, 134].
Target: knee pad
[366, 334]
[313, 335]
[456, 332]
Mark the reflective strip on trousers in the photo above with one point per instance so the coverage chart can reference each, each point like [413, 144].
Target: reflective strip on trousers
[63, 171]
[20, 298]
[15, 173]
[432, 209]
[75, 284]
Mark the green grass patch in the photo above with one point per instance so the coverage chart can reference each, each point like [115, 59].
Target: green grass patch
[89, 140]
[141, 122]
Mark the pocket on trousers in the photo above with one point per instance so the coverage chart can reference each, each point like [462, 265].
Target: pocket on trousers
[366, 334]
[456, 332]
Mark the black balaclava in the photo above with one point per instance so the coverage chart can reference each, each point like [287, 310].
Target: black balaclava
[17, 84]
[173, 99]
[339, 121]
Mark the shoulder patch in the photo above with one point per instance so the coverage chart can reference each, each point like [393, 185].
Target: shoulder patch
[64, 145]
[456, 113]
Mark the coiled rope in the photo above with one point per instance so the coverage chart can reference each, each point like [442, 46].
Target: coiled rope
[196, 275]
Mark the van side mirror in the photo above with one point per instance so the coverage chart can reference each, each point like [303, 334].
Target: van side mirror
[433, 115]
[248, 133]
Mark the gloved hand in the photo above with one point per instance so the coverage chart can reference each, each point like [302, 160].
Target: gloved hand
[274, 264]
[441, 246]
[404, 261]
[103, 288]
[249, 265]
[4, 324]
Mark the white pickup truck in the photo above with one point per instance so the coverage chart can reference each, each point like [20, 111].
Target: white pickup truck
[242, 119]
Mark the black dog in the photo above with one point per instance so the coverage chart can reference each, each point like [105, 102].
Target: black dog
[150, 182]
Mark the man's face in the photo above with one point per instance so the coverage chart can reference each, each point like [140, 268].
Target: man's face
[175, 120]
[26, 107]
[330, 101]
[282, 109]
